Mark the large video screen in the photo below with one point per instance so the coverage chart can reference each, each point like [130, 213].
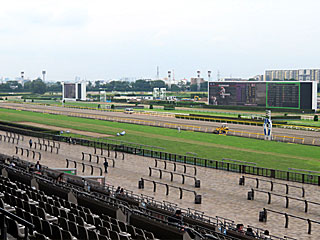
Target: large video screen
[296, 95]
[69, 90]
[237, 94]
[283, 95]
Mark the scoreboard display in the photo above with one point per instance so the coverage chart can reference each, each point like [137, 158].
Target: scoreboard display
[69, 90]
[275, 94]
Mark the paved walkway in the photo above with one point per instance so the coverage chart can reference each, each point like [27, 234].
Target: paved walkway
[221, 194]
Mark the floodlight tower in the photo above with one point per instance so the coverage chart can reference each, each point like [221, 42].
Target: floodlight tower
[169, 79]
[198, 80]
[22, 76]
[158, 73]
[43, 75]
[209, 75]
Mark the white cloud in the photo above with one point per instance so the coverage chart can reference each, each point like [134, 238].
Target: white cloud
[104, 39]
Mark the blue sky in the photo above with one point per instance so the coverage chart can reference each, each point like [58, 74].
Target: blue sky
[114, 39]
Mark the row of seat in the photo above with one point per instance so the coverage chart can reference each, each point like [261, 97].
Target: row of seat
[38, 212]
[47, 226]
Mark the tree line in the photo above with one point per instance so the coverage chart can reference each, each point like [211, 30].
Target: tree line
[40, 87]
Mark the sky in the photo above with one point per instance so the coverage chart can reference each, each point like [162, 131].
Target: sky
[125, 38]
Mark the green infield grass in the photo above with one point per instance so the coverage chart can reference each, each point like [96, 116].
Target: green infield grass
[266, 154]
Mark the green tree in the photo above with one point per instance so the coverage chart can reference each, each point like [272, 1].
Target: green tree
[193, 87]
[175, 88]
[55, 87]
[38, 86]
[204, 86]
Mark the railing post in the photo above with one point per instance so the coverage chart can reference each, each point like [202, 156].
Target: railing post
[269, 198]
[160, 173]
[305, 206]
[182, 178]
[180, 192]
[171, 173]
[287, 220]
[309, 226]
[287, 202]
[165, 164]
[154, 186]
[150, 171]
[167, 189]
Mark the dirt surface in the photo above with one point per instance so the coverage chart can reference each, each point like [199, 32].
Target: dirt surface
[90, 134]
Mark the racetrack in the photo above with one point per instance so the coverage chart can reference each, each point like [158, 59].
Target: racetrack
[280, 134]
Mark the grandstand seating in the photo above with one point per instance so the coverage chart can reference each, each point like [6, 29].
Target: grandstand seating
[97, 215]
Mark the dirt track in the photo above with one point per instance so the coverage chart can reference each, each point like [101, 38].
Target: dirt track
[90, 134]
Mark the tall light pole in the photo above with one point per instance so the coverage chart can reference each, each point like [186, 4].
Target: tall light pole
[43, 75]
[22, 76]
[209, 75]
[198, 80]
[169, 78]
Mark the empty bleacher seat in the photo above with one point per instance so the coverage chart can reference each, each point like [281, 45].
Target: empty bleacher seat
[15, 229]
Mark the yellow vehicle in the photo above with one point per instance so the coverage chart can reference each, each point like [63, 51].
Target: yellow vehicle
[222, 130]
[128, 111]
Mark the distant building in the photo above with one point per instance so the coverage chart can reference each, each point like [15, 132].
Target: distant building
[298, 75]
[258, 78]
[74, 91]
[197, 80]
[232, 79]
